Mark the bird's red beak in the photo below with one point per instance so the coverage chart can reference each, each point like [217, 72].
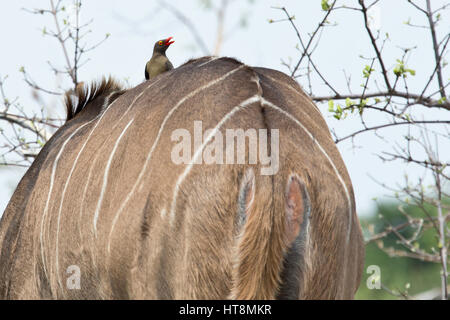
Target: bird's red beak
[169, 41]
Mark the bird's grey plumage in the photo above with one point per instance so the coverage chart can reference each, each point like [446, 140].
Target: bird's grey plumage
[159, 62]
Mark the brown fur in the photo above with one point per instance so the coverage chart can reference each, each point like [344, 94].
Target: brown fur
[231, 231]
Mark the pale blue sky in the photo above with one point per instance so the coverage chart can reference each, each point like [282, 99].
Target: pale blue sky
[135, 25]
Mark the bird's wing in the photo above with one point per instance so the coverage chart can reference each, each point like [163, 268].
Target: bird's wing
[169, 65]
[146, 73]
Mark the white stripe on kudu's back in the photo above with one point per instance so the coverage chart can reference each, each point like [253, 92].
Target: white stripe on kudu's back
[106, 105]
[55, 163]
[105, 108]
[50, 190]
[210, 60]
[137, 97]
[341, 180]
[105, 176]
[199, 151]
[298, 93]
[161, 128]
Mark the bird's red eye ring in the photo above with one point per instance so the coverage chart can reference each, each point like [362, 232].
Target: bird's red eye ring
[160, 43]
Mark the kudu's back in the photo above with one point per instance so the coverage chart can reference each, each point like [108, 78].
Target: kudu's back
[214, 180]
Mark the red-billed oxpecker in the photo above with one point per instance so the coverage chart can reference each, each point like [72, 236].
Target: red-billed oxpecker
[159, 63]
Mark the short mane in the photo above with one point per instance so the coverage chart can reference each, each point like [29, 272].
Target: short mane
[87, 93]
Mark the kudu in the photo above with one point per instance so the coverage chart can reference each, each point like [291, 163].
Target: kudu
[103, 197]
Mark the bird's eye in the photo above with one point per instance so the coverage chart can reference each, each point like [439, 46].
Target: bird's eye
[160, 43]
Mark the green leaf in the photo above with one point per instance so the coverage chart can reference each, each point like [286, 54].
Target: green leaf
[363, 102]
[411, 71]
[330, 105]
[442, 100]
[361, 105]
[348, 102]
[400, 69]
[325, 5]
[367, 71]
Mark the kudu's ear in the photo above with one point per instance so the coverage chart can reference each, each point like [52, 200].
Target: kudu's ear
[297, 206]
